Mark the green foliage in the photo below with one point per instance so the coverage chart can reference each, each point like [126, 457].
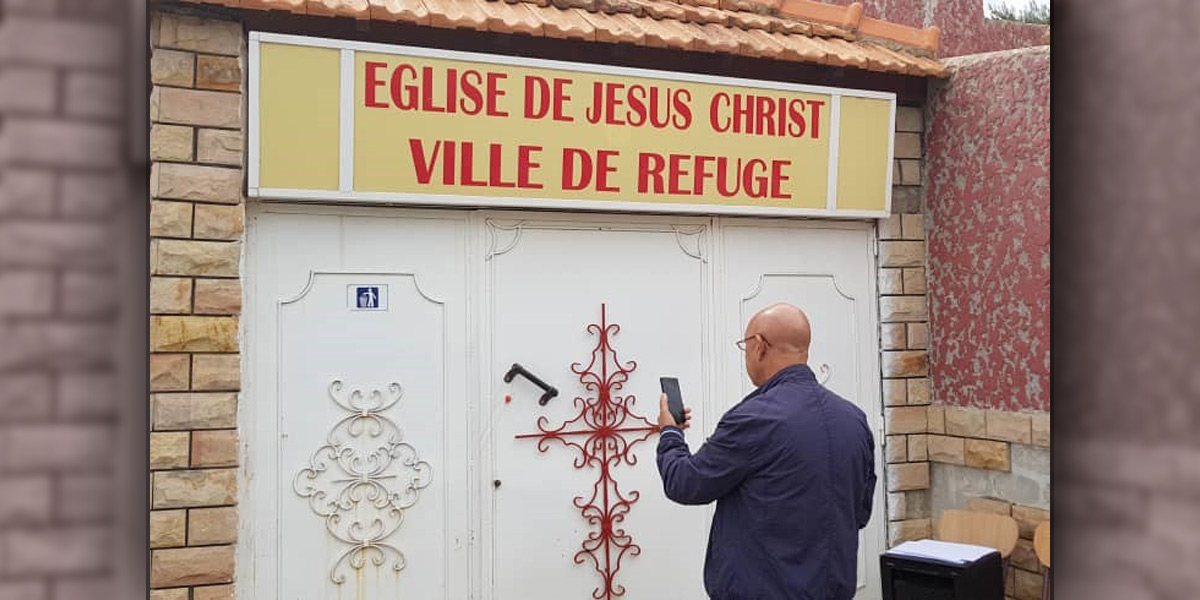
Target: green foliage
[1033, 12]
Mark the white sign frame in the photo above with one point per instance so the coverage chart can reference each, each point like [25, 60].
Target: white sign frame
[346, 194]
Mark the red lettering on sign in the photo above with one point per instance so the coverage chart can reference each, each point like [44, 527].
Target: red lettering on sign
[472, 101]
[816, 105]
[537, 97]
[614, 104]
[778, 179]
[404, 96]
[458, 162]
[796, 115]
[776, 116]
[569, 180]
[373, 82]
[423, 167]
[714, 113]
[525, 166]
[430, 90]
[754, 178]
[561, 99]
[650, 165]
[494, 93]
[603, 169]
[677, 172]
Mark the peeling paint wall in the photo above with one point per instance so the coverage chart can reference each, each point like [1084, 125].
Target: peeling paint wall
[988, 203]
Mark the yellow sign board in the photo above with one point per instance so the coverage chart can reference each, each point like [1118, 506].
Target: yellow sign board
[348, 121]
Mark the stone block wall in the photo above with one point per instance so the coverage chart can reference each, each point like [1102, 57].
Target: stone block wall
[196, 225]
[1023, 577]
[63, 183]
[904, 338]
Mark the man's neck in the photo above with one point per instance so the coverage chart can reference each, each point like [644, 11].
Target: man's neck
[784, 363]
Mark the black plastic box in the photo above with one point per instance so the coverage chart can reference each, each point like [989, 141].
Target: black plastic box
[911, 578]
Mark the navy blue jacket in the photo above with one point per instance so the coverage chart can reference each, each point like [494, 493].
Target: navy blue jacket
[792, 469]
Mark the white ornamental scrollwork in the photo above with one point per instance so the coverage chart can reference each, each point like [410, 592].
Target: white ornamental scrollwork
[363, 479]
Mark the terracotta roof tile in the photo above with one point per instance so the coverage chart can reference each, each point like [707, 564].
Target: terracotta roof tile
[294, 6]
[666, 34]
[793, 30]
[615, 29]
[717, 38]
[339, 8]
[749, 20]
[569, 4]
[704, 14]
[844, 16]
[661, 10]
[620, 6]
[410, 11]
[510, 18]
[829, 31]
[839, 56]
[741, 6]
[456, 13]
[571, 23]
[915, 64]
[805, 49]
[878, 58]
[755, 45]
[791, 26]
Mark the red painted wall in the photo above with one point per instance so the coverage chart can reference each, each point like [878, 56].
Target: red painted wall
[962, 23]
[988, 218]
[966, 31]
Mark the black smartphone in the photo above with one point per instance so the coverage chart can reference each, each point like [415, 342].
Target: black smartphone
[670, 387]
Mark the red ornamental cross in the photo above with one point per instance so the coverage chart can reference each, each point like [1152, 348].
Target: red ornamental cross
[604, 434]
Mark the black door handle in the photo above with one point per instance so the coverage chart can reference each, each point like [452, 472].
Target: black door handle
[548, 391]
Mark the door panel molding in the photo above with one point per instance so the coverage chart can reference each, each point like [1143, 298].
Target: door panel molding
[271, 403]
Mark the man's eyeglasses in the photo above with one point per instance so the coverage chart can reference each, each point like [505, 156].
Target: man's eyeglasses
[741, 344]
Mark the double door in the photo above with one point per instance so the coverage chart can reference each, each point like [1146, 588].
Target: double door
[393, 450]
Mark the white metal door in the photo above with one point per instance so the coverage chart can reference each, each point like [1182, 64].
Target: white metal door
[354, 409]
[600, 308]
[478, 492]
[827, 269]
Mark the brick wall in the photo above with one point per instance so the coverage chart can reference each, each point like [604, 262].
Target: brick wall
[196, 223]
[62, 178]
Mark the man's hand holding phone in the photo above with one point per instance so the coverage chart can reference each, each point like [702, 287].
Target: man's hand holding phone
[666, 419]
[671, 411]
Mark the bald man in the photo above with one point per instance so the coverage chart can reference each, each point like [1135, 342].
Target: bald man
[792, 471]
